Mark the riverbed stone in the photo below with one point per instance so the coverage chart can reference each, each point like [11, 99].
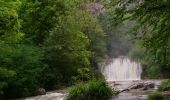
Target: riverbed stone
[41, 91]
[137, 86]
[151, 85]
[148, 85]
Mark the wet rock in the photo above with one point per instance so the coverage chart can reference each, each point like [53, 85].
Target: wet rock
[145, 88]
[124, 90]
[138, 85]
[144, 85]
[148, 85]
[41, 91]
[151, 85]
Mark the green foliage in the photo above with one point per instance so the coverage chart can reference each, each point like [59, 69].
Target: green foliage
[93, 90]
[66, 47]
[47, 43]
[152, 29]
[25, 60]
[4, 76]
[40, 17]
[92, 28]
[120, 41]
[82, 75]
[85, 74]
[9, 22]
[155, 96]
[165, 86]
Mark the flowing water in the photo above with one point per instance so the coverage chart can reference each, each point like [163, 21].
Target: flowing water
[48, 96]
[136, 94]
[125, 72]
[121, 69]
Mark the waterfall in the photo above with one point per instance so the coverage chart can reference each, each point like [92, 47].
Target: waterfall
[121, 69]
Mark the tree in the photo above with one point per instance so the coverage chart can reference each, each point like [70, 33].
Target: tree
[40, 17]
[26, 61]
[44, 43]
[9, 34]
[20, 64]
[153, 28]
[66, 47]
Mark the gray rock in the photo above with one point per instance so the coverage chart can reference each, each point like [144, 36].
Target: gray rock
[151, 85]
[137, 86]
[41, 91]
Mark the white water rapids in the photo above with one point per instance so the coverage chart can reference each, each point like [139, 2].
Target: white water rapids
[121, 69]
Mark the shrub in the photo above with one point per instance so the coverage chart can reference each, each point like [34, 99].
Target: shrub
[93, 90]
[164, 86]
[5, 75]
[155, 96]
[85, 74]
[25, 61]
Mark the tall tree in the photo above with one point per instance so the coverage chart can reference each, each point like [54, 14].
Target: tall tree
[40, 17]
[9, 35]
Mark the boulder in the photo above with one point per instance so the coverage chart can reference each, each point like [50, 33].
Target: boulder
[148, 85]
[151, 85]
[137, 86]
[41, 91]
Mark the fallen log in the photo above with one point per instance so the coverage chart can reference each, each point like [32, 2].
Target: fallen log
[126, 89]
[139, 85]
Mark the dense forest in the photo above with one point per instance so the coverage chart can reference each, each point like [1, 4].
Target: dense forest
[52, 44]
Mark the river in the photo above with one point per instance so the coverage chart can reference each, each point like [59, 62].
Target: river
[136, 94]
[121, 71]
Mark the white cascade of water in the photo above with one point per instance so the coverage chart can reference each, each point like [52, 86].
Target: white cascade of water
[122, 69]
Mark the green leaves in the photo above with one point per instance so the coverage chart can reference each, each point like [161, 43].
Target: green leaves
[4, 76]
[152, 29]
[92, 90]
[45, 42]
[40, 17]
[9, 22]
[25, 60]
[165, 86]
[4, 73]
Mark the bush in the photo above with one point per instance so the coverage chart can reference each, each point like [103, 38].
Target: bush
[155, 96]
[164, 86]
[93, 90]
[5, 75]
[85, 74]
[26, 62]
